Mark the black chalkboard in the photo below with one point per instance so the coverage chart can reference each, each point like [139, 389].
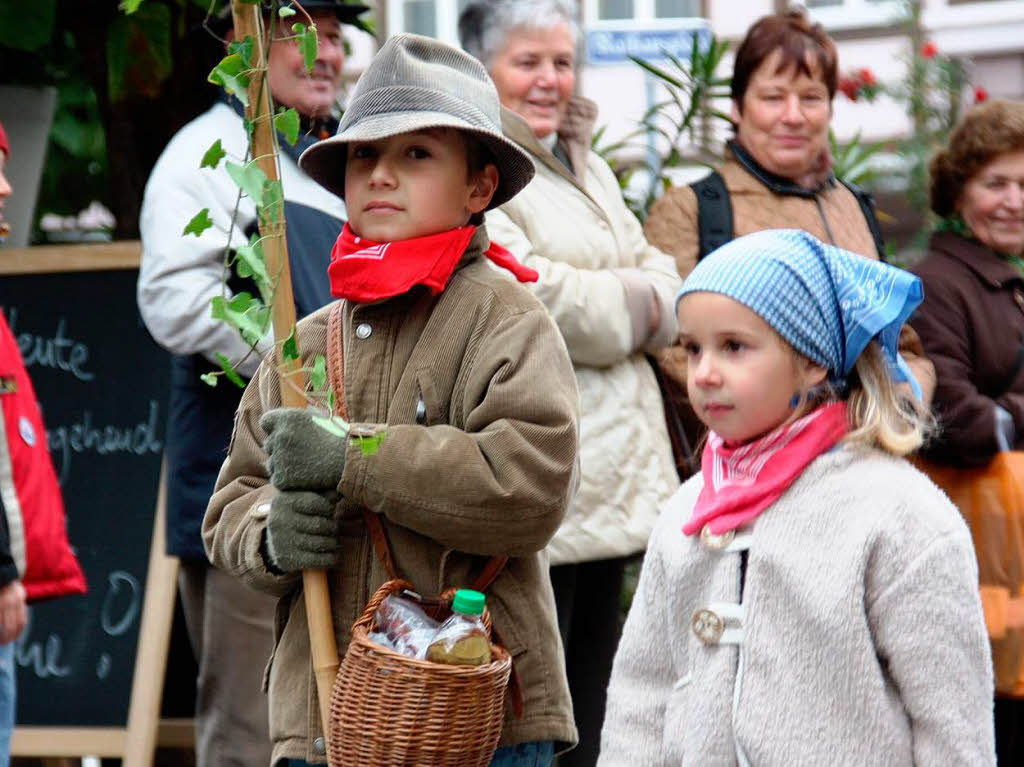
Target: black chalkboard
[103, 386]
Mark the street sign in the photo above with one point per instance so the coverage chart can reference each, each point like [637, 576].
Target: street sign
[615, 43]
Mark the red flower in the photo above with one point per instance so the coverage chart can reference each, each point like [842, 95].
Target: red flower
[848, 87]
[980, 94]
[866, 76]
[929, 50]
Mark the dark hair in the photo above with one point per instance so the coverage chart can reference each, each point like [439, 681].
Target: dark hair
[478, 156]
[794, 35]
[985, 132]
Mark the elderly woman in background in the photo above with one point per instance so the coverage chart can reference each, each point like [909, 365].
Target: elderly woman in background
[778, 168]
[611, 295]
[972, 318]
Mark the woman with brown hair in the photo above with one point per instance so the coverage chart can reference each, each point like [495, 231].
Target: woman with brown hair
[777, 171]
[972, 318]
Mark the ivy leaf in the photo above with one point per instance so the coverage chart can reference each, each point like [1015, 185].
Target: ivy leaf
[229, 371]
[230, 75]
[244, 50]
[305, 38]
[249, 178]
[213, 155]
[285, 11]
[251, 261]
[287, 122]
[272, 209]
[290, 347]
[200, 222]
[318, 376]
[370, 445]
[210, 379]
[129, 6]
[244, 313]
[332, 425]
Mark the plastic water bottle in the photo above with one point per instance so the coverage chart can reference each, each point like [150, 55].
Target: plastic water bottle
[462, 639]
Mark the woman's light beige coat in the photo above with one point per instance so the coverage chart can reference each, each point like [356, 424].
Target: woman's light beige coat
[612, 296]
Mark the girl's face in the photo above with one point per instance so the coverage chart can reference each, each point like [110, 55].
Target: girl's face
[741, 376]
[992, 204]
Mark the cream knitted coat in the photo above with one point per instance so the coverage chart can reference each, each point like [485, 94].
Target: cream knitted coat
[860, 640]
[598, 278]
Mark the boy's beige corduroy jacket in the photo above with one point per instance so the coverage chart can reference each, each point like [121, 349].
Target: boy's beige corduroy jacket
[489, 469]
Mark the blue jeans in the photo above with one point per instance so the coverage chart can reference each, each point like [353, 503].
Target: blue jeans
[7, 700]
[523, 755]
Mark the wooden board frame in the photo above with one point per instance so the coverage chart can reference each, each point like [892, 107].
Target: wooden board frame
[135, 743]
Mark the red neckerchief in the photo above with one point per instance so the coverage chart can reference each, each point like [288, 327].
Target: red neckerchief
[364, 271]
[741, 482]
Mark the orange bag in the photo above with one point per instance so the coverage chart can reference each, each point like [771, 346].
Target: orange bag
[991, 500]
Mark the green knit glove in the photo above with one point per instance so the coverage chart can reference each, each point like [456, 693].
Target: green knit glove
[302, 531]
[301, 455]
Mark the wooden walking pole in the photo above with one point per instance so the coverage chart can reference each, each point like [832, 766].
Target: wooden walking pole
[247, 22]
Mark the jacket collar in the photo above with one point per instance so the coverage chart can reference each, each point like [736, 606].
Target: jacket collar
[573, 135]
[775, 183]
[983, 261]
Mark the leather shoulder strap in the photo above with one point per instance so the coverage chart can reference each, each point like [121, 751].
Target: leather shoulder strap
[714, 213]
[867, 207]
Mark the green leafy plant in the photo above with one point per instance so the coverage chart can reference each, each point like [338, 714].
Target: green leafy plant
[931, 91]
[241, 73]
[683, 116]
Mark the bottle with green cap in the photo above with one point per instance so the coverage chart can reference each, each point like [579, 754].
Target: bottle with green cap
[462, 639]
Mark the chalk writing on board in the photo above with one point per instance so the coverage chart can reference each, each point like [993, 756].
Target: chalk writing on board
[122, 602]
[57, 351]
[82, 436]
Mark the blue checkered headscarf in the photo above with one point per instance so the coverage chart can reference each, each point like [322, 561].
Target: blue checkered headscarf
[827, 303]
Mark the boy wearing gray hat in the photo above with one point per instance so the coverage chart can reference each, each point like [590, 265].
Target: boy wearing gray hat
[457, 369]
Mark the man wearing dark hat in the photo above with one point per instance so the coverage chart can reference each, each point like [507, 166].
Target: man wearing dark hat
[231, 626]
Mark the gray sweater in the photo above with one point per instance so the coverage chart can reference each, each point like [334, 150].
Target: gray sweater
[860, 639]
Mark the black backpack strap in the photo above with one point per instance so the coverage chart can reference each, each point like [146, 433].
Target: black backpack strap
[714, 213]
[867, 207]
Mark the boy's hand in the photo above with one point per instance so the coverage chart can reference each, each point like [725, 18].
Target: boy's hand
[301, 455]
[302, 532]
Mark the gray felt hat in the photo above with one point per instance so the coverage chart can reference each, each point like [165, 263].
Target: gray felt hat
[415, 83]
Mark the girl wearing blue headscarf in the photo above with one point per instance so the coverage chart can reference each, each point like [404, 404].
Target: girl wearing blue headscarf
[809, 597]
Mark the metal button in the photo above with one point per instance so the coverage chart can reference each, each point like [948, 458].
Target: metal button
[363, 331]
[320, 746]
[715, 542]
[421, 411]
[707, 626]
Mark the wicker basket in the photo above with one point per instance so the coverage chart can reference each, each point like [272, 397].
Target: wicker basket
[390, 710]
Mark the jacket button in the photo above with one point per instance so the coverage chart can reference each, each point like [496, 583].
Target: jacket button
[707, 626]
[320, 746]
[363, 331]
[715, 542]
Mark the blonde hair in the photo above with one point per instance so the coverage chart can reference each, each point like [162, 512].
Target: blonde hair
[879, 415]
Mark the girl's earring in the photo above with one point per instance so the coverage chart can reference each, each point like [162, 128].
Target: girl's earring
[795, 402]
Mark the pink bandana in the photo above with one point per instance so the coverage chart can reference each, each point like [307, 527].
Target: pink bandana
[741, 482]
